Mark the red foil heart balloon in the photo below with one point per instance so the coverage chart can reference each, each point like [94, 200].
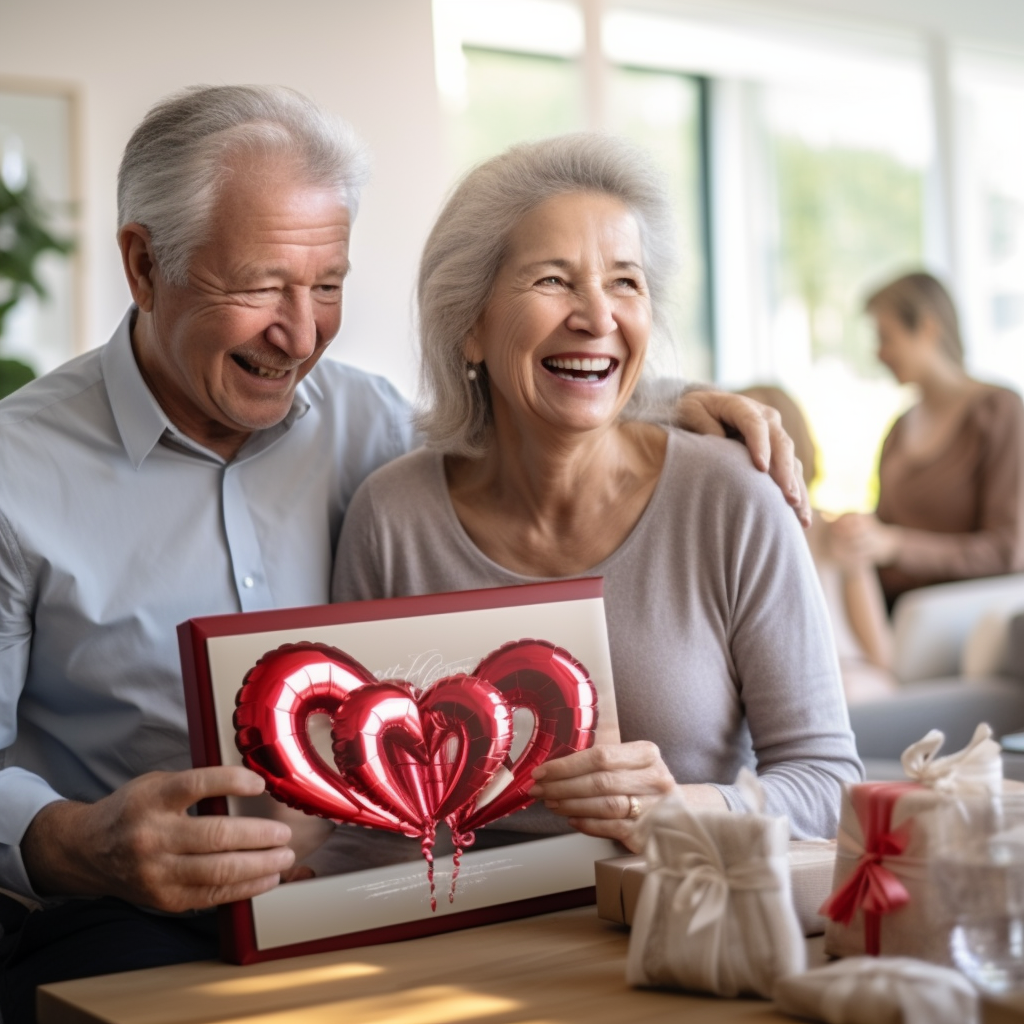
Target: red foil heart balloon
[281, 692]
[550, 683]
[407, 759]
[422, 754]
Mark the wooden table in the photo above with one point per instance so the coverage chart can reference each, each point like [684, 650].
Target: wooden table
[561, 968]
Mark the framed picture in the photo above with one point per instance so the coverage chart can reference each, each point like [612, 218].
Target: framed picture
[398, 738]
[39, 148]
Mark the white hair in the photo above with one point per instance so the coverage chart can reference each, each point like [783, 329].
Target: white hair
[179, 157]
[469, 243]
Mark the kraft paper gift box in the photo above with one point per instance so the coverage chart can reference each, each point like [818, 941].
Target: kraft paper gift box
[883, 899]
[715, 912]
[811, 867]
[618, 881]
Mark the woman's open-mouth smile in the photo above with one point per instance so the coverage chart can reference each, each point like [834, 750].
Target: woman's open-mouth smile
[589, 369]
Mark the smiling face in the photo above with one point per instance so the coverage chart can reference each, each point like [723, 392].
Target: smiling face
[565, 331]
[224, 353]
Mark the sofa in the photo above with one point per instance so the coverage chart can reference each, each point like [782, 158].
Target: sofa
[959, 659]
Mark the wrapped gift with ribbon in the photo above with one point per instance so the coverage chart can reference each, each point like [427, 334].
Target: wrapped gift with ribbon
[881, 901]
[715, 912]
[890, 990]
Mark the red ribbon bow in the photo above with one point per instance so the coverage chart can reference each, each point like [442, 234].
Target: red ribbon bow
[872, 887]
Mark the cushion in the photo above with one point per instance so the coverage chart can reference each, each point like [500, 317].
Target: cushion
[987, 647]
[932, 624]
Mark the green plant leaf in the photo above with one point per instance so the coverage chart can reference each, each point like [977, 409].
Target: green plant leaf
[24, 236]
[13, 375]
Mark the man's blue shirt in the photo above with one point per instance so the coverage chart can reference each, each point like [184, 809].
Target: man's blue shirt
[114, 527]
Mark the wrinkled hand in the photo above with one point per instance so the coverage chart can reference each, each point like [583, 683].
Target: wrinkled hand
[308, 832]
[592, 788]
[141, 845]
[760, 427]
[860, 538]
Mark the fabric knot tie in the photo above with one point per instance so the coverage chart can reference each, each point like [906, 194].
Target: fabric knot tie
[706, 881]
[976, 768]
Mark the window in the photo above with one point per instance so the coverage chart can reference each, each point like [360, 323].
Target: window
[502, 85]
[847, 171]
[991, 237]
[665, 113]
[810, 159]
[510, 97]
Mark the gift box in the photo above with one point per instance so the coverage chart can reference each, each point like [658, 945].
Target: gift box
[811, 868]
[715, 913]
[868, 990]
[883, 899]
[618, 881]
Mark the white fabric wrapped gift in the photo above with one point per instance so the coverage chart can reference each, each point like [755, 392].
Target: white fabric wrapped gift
[975, 770]
[715, 912]
[882, 898]
[880, 990]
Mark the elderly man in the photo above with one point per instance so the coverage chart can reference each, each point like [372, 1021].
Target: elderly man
[199, 463]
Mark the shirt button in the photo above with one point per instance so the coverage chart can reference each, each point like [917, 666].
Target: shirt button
[248, 583]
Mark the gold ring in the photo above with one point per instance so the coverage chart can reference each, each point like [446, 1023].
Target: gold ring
[634, 807]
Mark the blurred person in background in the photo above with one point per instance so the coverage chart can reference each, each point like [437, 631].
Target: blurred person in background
[950, 472]
[850, 584]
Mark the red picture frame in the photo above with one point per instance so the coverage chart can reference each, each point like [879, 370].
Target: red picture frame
[549, 873]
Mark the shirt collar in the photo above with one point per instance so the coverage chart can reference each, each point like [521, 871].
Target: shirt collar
[141, 421]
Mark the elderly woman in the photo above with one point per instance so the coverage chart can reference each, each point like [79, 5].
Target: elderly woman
[539, 290]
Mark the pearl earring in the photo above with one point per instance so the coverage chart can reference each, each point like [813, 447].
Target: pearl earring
[471, 373]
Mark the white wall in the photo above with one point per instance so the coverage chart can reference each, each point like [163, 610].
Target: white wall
[370, 61]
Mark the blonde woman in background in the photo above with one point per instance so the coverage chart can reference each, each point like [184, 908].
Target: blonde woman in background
[850, 583]
[951, 472]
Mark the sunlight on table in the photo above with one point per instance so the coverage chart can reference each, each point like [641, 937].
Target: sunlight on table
[252, 984]
[434, 1004]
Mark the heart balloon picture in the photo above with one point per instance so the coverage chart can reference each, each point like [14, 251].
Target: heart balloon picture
[407, 759]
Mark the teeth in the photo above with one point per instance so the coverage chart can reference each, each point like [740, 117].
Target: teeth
[267, 372]
[598, 364]
[590, 377]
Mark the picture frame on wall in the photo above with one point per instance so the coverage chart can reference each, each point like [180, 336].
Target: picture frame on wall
[414, 723]
[40, 148]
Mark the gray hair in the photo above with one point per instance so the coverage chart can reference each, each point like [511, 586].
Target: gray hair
[177, 159]
[470, 241]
